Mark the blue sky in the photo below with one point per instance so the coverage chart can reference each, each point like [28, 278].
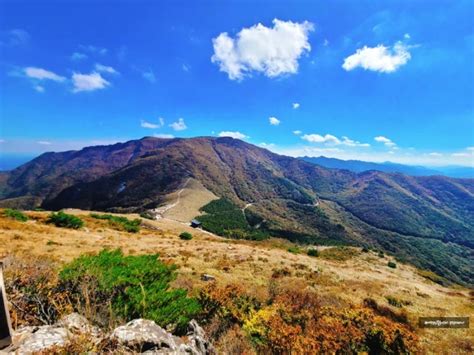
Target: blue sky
[369, 80]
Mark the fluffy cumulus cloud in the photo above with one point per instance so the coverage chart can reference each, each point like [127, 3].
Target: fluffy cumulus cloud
[233, 134]
[273, 51]
[274, 121]
[150, 125]
[381, 58]
[386, 141]
[88, 82]
[329, 139]
[105, 69]
[179, 125]
[42, 74]
[296, 105]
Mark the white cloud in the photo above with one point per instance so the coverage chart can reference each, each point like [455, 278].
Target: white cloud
[470, 149]
[145, 124]
[333, 140]
[272, 51]
[149, 76]
[77, 56]
[179, 125]
[233, 134]
[297, 132]
[388, 142]
[39, 88]
[44, 142]
[88, 82]
[163, 135]
[42, 74]
[274, 121]
[460, 155]
[317, 138]
[267, 145]
[435, 154]
[406, 36]
[105, 69]
[382, 59]
[296, 105]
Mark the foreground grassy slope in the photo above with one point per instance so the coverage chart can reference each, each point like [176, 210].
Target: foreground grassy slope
[339, 276]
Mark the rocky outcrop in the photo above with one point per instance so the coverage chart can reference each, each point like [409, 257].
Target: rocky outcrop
[138, 336]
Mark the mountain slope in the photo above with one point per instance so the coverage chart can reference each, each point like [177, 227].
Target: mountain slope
[283, 192]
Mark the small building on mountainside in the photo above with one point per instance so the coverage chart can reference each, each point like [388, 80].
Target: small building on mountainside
[195, 223]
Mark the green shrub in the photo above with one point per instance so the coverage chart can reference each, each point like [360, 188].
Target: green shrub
[365, 250]
[146, 215]
[381, 254]
[15, 214]
[313, 252]
[129, 287]
[186, 236]
[397, 302]
[61, 219]
[294, 250]
[391, 264]
[121, 223]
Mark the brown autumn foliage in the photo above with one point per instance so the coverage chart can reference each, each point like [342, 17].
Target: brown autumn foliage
[297, 321]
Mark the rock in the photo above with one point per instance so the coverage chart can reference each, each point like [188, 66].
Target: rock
[207, 277]
[197, 341]
[145, 335]
[34, 339]
[76, 323]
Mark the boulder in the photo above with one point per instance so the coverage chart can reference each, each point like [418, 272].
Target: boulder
[145, 335]
[76, 323]
[35, 339]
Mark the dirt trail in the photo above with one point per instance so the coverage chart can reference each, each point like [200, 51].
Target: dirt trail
[160, 211]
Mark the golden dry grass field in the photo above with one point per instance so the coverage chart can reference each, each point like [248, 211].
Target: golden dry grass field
[347, 275]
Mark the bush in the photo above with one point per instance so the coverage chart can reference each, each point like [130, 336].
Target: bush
[313, 252]
[391, 264]
[61, 219]
[15, 214]
[146, 215]
[365, 250]
[120, 223]
[129, 287]
[294, 250]
[186, 236]
[381, 254]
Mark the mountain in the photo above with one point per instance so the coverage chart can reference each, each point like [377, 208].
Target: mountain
[359, 166]
[428, 221]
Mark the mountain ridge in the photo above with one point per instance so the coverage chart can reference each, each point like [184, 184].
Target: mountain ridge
[135, 176]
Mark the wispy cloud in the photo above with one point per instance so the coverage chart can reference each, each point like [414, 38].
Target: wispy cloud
[78, 56]
[44, 142]
[149, 75]
[179, 125]
[88, 82]
[105, 69]
[273, 51]
[42, 74]
[93, 49]
[150, 125]
[233, 134]
[14, 37]
[381, 58]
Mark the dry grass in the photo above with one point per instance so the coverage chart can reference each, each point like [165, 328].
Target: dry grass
[252, 265]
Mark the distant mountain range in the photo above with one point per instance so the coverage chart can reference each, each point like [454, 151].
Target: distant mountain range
[428, 221]
[359, 166]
